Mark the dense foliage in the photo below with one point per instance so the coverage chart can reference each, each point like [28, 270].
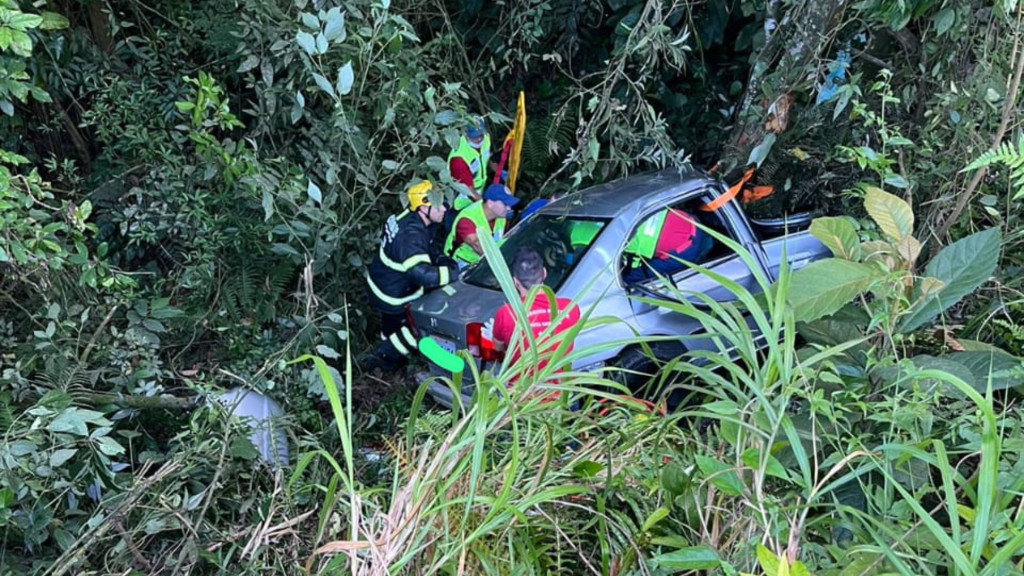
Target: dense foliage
[189, 192]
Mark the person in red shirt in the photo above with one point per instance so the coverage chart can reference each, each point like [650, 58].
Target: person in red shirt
[528, 271]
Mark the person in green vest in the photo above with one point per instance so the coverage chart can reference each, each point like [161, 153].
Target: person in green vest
[486, 214]
[662, 243]
[468, 163]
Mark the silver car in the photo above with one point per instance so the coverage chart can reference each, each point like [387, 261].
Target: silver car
[592, 268]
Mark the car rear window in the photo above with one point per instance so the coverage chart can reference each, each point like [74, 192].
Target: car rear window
[561, 241]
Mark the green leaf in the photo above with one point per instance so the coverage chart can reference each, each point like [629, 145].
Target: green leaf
[893, 215]
[675, 479]
[848, 323]
[109, 446]
[949, 366]
[5, 38]
[839, 235]
[345, 79]
[321, 44]
[962, 266]
[22, 21]
[821, 288]
[688, 559]
[251, 61]
[323, 83]
[310, 20]
[306, 42]
[313, 191]
[944, 20]
[674, 541]
[243, 448]
[335, 28]
[752, 459]
[720, 475]
[21, 43]
[445, 118]
[587, 469]
[760, 152]
[327, 352]
[1005, 370]
[768, 560]
[53, 21]
[655, 517]
[59, 457]
[70, 421]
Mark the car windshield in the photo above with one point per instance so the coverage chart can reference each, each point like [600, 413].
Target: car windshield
[561, 242]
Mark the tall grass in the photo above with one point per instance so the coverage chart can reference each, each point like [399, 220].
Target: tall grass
[517, 484]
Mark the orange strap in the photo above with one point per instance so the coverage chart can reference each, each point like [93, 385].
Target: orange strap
[729, 194]
[755, 193]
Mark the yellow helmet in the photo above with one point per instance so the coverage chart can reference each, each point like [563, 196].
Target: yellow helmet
[418, 195]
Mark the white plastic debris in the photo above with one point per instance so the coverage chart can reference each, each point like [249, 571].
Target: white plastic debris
[263, 416]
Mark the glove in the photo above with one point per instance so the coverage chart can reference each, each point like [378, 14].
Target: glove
[447, 262]
[487, 332]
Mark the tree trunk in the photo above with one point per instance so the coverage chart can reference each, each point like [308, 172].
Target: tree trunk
[98, 25]
[784, 66]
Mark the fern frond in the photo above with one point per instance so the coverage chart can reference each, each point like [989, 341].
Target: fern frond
[1010, 156]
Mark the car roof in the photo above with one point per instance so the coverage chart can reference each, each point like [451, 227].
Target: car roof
[614, 198]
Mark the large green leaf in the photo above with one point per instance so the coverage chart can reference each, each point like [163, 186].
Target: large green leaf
[839, 235]
[962, 267]
[849, 323]
[721, 475]
[1005, 370]
[893, 215]
[823, 287]
[688, 559]
[947, 365]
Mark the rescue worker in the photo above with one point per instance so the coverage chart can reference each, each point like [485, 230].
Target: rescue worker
[469, 161]
[486, 214]
[403, 269]
[528, 271]
[537, 204]
[661, 242]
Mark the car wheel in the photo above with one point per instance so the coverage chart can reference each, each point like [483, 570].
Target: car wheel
[638, 369]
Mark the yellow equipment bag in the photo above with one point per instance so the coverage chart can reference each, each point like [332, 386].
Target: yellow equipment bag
[512, 149]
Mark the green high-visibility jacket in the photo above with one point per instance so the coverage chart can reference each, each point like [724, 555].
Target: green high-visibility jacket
[475, 213]
[645, 240]
[477, 162]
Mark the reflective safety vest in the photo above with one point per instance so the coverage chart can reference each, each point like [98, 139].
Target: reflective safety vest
[464, 254]
[583, 232]
[477, 162]
[645, 239]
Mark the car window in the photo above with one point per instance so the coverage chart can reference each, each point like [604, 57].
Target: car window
[666, 237]
[561, 241]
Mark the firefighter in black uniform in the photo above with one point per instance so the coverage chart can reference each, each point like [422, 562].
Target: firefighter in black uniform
[404, 268]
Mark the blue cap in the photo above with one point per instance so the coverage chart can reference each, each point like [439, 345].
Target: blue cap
[499, 193]
[476, 128]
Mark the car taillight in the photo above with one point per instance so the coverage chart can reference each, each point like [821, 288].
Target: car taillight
[479, 346]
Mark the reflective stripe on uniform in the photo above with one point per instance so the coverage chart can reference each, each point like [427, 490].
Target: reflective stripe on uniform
[405, 266]
[444, 276]
[390, 300]
[408, 336]
[397, 343]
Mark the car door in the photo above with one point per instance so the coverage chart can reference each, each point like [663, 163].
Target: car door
[661, 319]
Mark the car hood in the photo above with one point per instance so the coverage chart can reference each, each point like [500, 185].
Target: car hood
[446, 311]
